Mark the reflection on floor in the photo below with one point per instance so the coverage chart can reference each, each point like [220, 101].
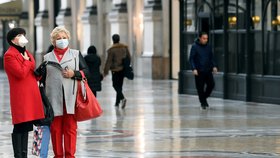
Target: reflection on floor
[160, 123]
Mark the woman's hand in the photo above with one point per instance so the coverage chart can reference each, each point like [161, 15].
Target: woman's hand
[25, 56]
[68, 73]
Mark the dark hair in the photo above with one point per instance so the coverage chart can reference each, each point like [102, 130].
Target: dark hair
[91, 50]
[13, 33]
[202, 33]
[116, 38]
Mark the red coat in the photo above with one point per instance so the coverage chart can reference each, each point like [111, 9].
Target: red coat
[25, 99]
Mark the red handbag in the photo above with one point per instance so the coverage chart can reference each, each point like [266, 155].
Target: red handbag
[87, 106]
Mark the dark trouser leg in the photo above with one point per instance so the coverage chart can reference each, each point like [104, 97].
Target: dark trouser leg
[210, 84]
[20, 144]
[200, 82]
[117, 79]
[16, 140]
[20, 138]
[24, 144]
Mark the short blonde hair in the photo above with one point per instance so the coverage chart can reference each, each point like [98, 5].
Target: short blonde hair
[58, 30]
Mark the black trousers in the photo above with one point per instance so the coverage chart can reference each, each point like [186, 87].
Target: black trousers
[20, 139]
[204, 84]
[117, 78]
[23, 127]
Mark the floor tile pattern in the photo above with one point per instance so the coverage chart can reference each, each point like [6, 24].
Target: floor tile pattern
[160, 123]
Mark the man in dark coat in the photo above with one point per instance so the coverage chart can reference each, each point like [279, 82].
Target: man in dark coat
[116, 54]
[93, 61]
[202, 64]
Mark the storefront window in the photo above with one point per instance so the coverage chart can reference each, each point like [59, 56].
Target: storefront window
[262, 48]
[271, 39]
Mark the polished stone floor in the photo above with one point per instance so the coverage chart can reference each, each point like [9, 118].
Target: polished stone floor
[160, 123]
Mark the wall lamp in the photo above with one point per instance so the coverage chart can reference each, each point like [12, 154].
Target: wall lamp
[276, 21]
[256, 19]
[188, 22]
[232, 20]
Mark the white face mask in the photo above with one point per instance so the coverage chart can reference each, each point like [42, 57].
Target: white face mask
[22, 41]
[62, 43]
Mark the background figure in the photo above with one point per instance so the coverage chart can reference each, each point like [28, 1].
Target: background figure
[116, 53]
[93, 61]
[202, 65]
[25, 99]
[50, 48]
[63, 71]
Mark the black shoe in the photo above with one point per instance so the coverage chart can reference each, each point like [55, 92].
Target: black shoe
[116, 106]
[207, 105]
[203, 107]
[123, 103]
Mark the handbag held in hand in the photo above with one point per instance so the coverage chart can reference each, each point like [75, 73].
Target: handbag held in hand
[128, 70]
[87, 106]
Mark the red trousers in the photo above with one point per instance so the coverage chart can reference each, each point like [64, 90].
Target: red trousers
[64, 134]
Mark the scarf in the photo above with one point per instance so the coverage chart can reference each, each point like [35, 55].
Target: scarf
[59, 53]
[19, 48]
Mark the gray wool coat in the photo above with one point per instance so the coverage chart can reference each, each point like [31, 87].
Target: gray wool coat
[57, 86]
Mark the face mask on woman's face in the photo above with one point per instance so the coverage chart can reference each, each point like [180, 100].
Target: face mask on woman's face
[62, 43]
[22, 41]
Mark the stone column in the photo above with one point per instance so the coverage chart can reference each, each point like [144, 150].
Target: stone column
[119, 20]
[90, 26]
[153, 44]
[42, 31]
[64, 19]
[136, 9]
[26, 22]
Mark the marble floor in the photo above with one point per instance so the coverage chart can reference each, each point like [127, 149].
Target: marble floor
[160, 123]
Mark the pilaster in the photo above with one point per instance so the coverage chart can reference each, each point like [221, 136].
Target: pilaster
[64, 18]
[153, 54]
[119, 20]
[26, 20]
[42, 30]
[90, 26]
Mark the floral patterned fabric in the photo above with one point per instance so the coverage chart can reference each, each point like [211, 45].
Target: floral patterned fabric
[37, 140]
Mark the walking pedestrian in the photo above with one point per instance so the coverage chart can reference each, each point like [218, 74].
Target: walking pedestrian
[116, 53]
[203, 65]
[94, 62]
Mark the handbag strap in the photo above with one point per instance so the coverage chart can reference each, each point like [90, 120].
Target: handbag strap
[83, 75]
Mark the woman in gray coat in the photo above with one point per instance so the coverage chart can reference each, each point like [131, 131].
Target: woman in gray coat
[61, 89]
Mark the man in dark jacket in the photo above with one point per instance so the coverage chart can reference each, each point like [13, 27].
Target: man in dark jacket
[202, 64]
[116, 53]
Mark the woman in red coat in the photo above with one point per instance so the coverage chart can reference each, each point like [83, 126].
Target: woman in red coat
[25, 99]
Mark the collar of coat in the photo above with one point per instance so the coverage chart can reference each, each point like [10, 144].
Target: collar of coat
[118, 45]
